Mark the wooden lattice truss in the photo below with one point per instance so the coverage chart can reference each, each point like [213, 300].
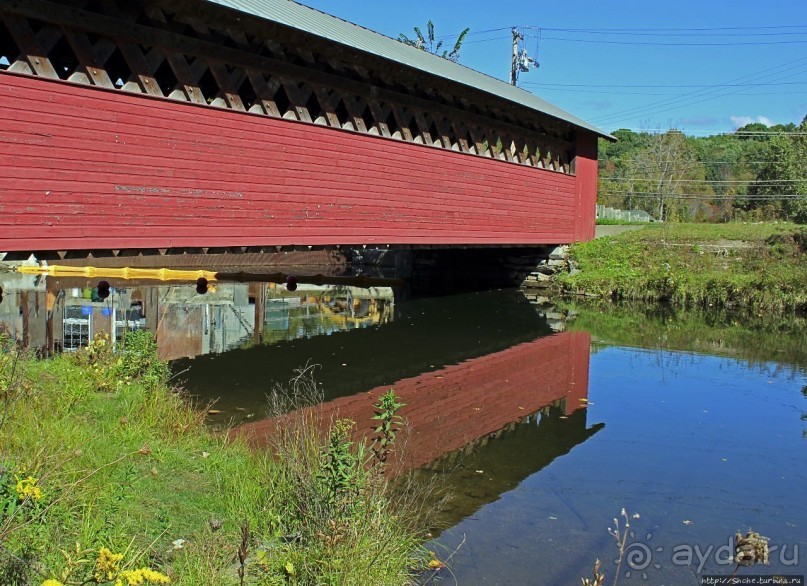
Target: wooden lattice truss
[201, 53]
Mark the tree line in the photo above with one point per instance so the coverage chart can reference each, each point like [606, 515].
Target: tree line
[755, 173]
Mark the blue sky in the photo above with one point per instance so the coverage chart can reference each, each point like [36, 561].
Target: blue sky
[752, 65]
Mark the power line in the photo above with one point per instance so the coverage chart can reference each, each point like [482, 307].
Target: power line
[671, 44]
[740, 162]
[675, 85]
[644, 31]
[485, 40]
[686, 99]
[772, 132]
[711, 182]
[700, 196]
[646, 43]
[624, 93]
[705, 134]
[697, 29]
[757, 77]
[472, 33]
[762, 133]
[674, 34]
[737, 133]
[670, 103]
[582, 89]
[769, 77]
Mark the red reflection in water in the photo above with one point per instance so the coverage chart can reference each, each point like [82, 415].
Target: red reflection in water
[448, 408]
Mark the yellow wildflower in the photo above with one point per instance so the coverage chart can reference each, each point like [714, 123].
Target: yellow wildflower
[52, 582]
[141, 576]
[434, 563]
[27, 488]
[107, 564]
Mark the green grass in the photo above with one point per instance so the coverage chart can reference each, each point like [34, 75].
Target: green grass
[701, 233]
[124, 462]
[759, 267]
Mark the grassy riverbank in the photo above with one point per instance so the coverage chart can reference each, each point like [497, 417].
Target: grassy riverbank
[752, 266]
[109, 476]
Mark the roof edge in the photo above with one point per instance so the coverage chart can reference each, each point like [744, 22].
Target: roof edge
[337, 30]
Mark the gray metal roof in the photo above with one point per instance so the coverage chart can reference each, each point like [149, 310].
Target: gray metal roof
[335, 29]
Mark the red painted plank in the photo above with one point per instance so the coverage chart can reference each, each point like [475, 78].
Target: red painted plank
[87, 168]
[366, 220]
[586, 186]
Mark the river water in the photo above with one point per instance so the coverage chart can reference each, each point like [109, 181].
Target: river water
[542, 424]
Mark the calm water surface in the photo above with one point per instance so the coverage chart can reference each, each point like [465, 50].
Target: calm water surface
[698, 446]
[543, 428]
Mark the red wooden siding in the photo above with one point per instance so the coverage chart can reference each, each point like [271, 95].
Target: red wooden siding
[87, 168]
[455, 405]
[586, 168]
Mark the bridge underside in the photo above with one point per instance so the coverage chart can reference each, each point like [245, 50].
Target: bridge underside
[91, 169]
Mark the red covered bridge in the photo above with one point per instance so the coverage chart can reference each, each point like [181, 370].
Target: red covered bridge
[157, 124]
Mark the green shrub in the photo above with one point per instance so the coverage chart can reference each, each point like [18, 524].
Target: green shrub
[138, 358]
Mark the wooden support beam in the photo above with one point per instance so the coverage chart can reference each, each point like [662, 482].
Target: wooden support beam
[29, 46]
[404, 117]
[478, 140]
[86, 55]
[381, 114]
[140, 68]
[423, 125]
[443, 126]
[187, 81]
[460, 130]
[355, 107]
[298, 95]
[263, 92]
[329, 101]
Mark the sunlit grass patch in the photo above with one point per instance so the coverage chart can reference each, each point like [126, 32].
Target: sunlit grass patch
[755, 266]
[100, 454]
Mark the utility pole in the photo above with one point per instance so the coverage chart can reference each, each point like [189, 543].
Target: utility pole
[517, 36]
[521, 61]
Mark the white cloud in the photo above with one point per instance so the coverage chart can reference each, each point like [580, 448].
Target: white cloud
[740, 121]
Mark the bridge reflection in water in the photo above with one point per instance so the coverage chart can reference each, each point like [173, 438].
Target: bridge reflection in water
[484, 424]
[53, 315]
[488, 384]
[458, 404]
